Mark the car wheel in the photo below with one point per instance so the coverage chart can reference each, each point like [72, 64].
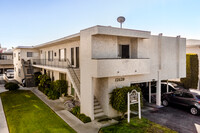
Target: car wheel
[194, 111]
[165, 102]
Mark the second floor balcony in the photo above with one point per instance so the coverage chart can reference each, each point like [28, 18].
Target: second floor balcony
[52, 63]
[121, 67]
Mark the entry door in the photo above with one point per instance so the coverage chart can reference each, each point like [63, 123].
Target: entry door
[77, 56]
[125, 51]
[72, 56]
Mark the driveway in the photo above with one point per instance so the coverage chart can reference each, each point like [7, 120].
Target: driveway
[1, 79]
[175, 118]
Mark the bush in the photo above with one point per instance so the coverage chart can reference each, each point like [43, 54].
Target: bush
[118, 99]
[11, 86]
[82, 117]
[36, 78]
[76, 110]
[45, 82]
[192, 71]
[61, 86]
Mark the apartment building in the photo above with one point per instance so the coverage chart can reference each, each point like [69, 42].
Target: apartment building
[98, 59]
[193, 46]
[22, 55]
[6, 61]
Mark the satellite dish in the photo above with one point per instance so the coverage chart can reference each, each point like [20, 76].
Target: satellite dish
[121, 20]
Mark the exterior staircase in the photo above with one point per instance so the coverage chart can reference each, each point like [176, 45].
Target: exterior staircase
[28, 76]
[74, 76]
[98, 111]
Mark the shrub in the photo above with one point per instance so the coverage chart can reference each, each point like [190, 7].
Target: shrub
[61, 86]
[53, 93]
[82, 117]
[45, 82]
[11, 86]
[118, 99]
[36, 77]
[76, 110]
[192, 71]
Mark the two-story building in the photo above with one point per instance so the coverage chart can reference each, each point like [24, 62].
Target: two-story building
[6, 61]
[98, 59]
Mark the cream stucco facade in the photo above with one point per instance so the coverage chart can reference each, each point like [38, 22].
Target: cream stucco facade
[101, 55]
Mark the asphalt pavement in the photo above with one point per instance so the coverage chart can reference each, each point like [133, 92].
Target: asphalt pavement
[176, 118]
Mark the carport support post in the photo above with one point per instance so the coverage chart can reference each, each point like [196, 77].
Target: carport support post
[158, 90]
[128, 103]
[149, 92]
[167, 86]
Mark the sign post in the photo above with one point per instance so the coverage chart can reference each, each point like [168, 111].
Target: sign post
[133, 98]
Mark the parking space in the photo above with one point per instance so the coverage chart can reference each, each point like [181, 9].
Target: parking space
[175, 118]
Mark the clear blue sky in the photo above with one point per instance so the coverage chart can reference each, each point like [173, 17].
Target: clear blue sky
[32, 22]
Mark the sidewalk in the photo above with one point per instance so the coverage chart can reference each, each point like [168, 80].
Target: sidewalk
[3, 123]
[58, 107]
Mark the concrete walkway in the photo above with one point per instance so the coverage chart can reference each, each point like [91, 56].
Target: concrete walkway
[3, 123]
[58, 107]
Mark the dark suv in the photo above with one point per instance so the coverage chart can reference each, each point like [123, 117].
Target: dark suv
[187, 98]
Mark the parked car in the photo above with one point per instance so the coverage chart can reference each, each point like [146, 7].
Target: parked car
[172, 87]
[190, 99]
[9, 73]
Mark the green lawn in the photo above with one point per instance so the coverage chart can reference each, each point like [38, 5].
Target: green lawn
[26, 113]
[136, 126]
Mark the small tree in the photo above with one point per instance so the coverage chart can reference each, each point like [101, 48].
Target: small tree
[192, 71]
[118, 99]
[61, 86]
[45, 82]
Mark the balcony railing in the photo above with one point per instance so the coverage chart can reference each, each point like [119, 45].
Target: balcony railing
[6, 62]
[53, 63]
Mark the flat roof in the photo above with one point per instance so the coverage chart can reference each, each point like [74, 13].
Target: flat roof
[192, 43]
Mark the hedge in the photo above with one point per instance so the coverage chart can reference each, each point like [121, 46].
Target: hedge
[76, 111]
[118, 99]
[192, 71]
[11, 86]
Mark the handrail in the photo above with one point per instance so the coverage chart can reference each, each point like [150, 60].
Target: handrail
[69, 64]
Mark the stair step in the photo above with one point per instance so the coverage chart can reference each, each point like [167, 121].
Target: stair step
[96, 104]
[97, 107]
[98, 115]
[98, 111]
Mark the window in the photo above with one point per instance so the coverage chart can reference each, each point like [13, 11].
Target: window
[187, 95]
[14, 54]
[50, 55]
[62, 76]
[62, 54]
[29, 54]
[19, 56]
[198, 96]
[178, 93]
[28, 71]
[19, 72]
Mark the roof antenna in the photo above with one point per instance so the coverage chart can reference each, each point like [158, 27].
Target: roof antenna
[121, 20]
